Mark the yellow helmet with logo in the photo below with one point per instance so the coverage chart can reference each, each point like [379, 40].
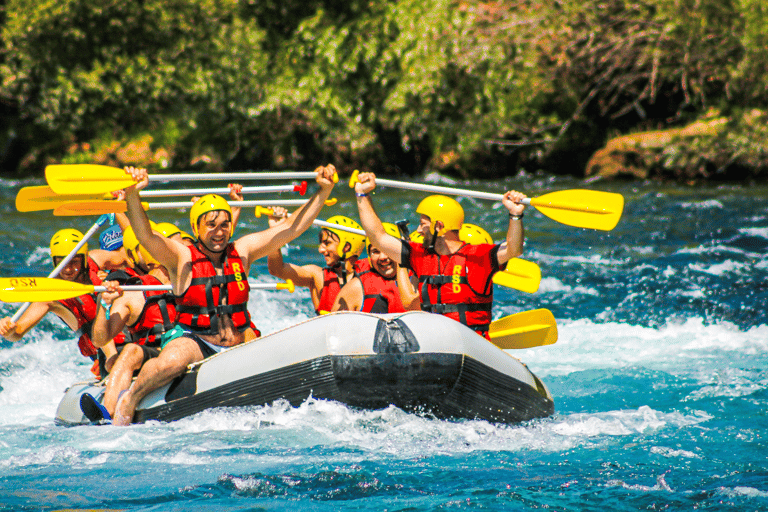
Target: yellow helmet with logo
[208, 203]
[356, 242]
[64, 240]
[474, 235]
[417, 237]
[389, 228]
[167, 229]
[444, 209]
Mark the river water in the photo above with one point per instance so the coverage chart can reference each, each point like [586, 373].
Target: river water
[659, 378]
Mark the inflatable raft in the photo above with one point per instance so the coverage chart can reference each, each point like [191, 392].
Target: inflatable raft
[417, 361]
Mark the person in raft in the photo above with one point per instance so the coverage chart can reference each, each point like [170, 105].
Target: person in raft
[340, 250]
[144, 315]
[455, 278]
[78, 312]
[374, 290]
[209, 279]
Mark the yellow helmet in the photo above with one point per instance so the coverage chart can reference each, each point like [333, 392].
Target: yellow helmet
[356, 242]
[167, 229]
[417, 237]
[208, 203]
[64, 240]
[131, 243]
[474, 235]
[444, 209]
[389, 228]
[186, 236]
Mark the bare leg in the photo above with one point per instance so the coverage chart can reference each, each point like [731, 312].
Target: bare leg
[129, 360]
[171, 363]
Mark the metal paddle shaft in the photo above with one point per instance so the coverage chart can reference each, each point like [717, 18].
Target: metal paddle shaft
[64, 262]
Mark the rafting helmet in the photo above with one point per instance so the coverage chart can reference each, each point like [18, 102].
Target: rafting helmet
[444, 209]
[208, 203]
[64, 241]
[390, 229]
[131, 243]
[356, 241]
[474, 235]
[167, 229]
[416, 237]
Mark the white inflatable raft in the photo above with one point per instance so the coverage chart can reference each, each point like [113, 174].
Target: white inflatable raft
[416, 361]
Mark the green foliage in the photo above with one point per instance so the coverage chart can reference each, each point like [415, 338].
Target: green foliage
[406, 83]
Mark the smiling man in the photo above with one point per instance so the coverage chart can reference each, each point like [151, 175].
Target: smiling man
[374, 290]
[209, 279]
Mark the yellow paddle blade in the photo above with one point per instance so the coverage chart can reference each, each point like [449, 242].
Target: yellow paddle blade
[582, 208]
[524, 330]
[86, 178]
[33, 199]
[40, 289]
[520, 275]
[76, 208]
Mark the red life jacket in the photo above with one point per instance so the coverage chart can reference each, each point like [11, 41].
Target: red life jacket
[93, 272]
[200, 307]
[156, 317]
[84, 308]
[380, 295]
[458, 285]
[332, 283]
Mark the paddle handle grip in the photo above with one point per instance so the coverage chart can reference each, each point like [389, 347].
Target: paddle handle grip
[238, 176]
[301, 189]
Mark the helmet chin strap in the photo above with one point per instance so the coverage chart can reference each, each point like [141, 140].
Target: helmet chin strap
[431, 247]
[209, 249]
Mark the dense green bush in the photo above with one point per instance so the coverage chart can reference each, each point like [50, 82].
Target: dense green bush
[475, 88]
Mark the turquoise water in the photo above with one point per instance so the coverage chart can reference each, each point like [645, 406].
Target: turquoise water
[659, 377]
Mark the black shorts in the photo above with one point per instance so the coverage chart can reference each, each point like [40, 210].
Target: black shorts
[204, 347]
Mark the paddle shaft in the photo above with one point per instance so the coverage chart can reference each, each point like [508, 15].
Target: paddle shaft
[442, 190]
[238, 176]
[167, 287]
[64, 262]
[171, 205]
[221, 190]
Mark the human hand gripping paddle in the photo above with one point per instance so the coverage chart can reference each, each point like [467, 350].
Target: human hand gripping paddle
[69, 179]
[579, 208]
[30, 199]
[43, 289]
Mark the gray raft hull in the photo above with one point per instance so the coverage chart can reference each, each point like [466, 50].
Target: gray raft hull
[416, 361]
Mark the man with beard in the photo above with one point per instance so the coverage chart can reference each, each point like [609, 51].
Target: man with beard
[455, 278]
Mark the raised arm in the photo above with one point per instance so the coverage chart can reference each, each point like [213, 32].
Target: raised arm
[515, 232]
[258, 245]
[371, 223]
[169, 253]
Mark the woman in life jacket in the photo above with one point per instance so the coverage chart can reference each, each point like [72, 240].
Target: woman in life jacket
[78, 312]
[374, 290]
[339, 248]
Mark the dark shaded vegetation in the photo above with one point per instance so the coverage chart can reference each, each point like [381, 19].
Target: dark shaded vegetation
[471, 89]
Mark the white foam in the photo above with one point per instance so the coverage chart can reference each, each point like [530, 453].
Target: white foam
[690, 346]
[554, 285]
[748, 492]
[762, 232]
[703, 205]
[719, 269]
